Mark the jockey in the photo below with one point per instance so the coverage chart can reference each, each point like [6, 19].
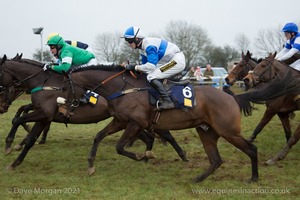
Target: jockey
[69, 55]
[160, 59]
[292, 45]
[74, 43]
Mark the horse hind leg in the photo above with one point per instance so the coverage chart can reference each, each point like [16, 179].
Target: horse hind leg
[285, 121]
[283, 152]
[209, 139]
[45, 133]
[249, 149]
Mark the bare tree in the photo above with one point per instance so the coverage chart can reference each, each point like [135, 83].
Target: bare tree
[220, 56]
[269, 41]
[47, 56]
[191, 39]
[108, 47]
[242, 42]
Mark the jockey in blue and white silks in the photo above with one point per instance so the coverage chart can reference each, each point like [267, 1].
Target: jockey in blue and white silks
[292, 45]
[157, 53]
[160, 59]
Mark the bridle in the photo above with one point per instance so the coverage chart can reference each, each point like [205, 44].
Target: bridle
[241, 73]
[258, 78]
[12, 86]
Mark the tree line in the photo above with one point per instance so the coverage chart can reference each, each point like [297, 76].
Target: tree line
[193, 41]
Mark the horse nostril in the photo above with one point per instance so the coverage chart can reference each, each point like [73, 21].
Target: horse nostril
[246, 80]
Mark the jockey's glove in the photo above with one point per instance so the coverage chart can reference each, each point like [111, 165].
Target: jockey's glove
[47, 66]
[130, 67]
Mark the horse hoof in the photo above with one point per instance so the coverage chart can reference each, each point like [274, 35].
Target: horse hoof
[10, 168]
[91, 171]
[150, 154]
[18, 147]
[183, 157]
[42, 142]
[253, 180]
[8, 151]
[271, 162]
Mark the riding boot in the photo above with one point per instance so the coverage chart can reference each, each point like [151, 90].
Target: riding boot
[166, 103]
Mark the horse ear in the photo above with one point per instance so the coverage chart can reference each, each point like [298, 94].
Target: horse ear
[4, 58]
[249, 54]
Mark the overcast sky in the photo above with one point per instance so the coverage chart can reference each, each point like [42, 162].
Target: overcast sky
[84, 20]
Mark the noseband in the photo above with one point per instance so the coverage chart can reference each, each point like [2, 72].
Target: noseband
[257, 78]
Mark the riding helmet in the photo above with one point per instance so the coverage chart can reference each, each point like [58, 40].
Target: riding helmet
[290, 27]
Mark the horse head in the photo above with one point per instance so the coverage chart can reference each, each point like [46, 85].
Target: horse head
[265, 71]
[8, 95]
[17, 76]
[8, 91]
[241, 69]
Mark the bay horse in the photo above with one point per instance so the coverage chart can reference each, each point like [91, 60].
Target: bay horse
[28, 74]
[265, 71]
[282, 106]
[217, 110]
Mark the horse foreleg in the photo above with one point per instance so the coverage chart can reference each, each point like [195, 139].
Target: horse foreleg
[169, 138]
[32, 137]
[113, 127]
[285, 150]
[131, 131]
[148, 139]
[19, 146]
[268, 115]
[30, 117]
[209, 140]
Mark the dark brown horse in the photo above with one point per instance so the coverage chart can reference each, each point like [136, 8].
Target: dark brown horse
[28, 74]
[282, 106]
[265, 71]
[214, 109]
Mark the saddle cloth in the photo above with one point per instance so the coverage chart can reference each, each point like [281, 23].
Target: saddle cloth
[182, 95]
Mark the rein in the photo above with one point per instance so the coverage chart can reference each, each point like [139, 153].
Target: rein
[268, 68]
[75, 102]
[27, 78]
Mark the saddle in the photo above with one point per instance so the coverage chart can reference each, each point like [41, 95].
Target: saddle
[181, 93]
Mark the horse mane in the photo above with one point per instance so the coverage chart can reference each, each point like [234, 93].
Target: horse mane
[277, 87]
[257, 60]
[113, 67]
[28, 61]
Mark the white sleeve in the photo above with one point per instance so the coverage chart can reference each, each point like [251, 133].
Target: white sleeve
[289, 54]
[281, 53]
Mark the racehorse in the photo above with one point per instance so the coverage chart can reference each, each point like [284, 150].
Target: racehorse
[282, 106]
[28, 74]
[265, 71]
[214, 108]
[217, 110]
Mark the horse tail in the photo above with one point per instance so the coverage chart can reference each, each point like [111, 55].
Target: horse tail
[244, 104]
